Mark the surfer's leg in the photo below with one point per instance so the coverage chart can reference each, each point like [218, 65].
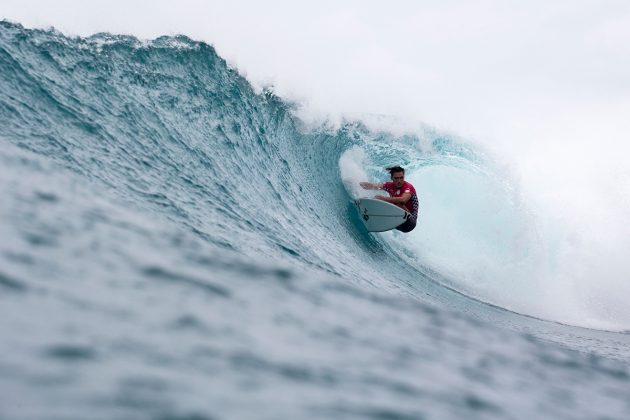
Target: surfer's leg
[408, 226]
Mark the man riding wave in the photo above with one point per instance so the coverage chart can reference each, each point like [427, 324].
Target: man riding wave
[401, 193]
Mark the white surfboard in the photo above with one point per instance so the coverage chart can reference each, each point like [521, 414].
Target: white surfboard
[379, 215]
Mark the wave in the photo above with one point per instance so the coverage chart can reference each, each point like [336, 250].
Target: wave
[169, 128]
[176, 244]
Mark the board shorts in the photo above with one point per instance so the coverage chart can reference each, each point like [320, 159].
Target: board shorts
[409, 225]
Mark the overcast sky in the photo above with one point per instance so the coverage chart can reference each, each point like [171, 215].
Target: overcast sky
[514, 74]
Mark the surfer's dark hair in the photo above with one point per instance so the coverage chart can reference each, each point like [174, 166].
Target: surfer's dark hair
[394, 169]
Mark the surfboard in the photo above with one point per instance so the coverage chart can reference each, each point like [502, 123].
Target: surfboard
[379, 216]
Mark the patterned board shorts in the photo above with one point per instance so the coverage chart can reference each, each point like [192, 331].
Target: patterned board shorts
[408, 226]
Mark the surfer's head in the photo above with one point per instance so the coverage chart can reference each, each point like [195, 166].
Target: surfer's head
[397, 174]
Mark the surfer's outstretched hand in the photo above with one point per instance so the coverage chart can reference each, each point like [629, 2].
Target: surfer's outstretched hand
[380, 197]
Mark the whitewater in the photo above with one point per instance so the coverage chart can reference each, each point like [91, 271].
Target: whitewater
[176, 244]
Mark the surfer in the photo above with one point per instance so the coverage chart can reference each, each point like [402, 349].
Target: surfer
[401, 193]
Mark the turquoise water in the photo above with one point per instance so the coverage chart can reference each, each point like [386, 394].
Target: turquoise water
[176, 245]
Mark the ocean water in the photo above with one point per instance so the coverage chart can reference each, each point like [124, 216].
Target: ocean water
[177, 245]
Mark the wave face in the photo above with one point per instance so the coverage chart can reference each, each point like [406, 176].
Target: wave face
[177, 245]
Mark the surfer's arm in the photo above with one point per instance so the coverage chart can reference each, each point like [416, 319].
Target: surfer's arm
[395, 200]
[371, 186]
